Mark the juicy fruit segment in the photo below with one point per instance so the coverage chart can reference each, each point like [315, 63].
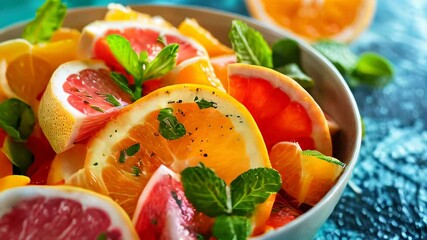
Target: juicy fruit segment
[68, 213]
[209, 134]
[163, 211]
[78, 100]
[118, 12]
[66, 163]
[197, 70]
[304, 177]
[220, 64]
[9, 51]
[282, 213]
[191, 28]
[143, 37]
[12, 181]
[283, 110]
[314, 20]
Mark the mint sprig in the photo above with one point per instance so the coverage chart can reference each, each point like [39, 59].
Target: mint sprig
[231, 205]
[18, 154]
[17, 119]
[232, 227]
[169, 126]
[249, 45]
[138, 64]
[49, 18]
[368, 69]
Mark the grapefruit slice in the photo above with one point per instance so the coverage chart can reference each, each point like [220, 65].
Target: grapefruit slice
[163, 211]
[220, 133]
[282, 109]
[315, 20]
[63, 213]
[306, 176]
[78, 100]
[142, 36]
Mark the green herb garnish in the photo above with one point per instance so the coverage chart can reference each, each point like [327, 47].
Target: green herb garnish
[293, 71]
[323, 157]
[96, 108]
[16, 119]
[202, 103]
[232, 206]
[49, 18]
[122, 157]
[132, 150]
[138, 65]
[113, 100]
[19, 154]
[249, 45]
[122, 82]
[136, 171]
[339, 54]
[232, 227]
[169, 126]
[285, 51]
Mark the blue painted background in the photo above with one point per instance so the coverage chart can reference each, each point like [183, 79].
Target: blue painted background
[392, 170]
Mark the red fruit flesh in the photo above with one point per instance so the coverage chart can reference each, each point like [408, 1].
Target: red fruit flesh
[164, 212]
[55, 218]
[278, 118]
[89, 89]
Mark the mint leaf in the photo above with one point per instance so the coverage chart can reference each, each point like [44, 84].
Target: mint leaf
[253, 187]
[285, 51]
[232, 227]
[122, 157]
[96, 108]
[205, 104]
[19, 154]
[339, 54]
[205, 190]
[162, 63]
[125, 55]
[49, 18]
[132, 150]
[169, 126]
[122, 82]
[372, 70]
[16, 119]
[319, 155]
[136, 171]
[293, 71]
[112, 100]
[249, 45]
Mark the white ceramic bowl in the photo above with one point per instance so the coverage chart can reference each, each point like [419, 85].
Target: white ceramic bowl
[331, 92]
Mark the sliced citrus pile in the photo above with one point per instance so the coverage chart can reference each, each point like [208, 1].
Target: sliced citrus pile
[314, 20]
[79, 99]
[283, 110]
[64, 212]
[306, 175]
[122, 156]
[191, 28]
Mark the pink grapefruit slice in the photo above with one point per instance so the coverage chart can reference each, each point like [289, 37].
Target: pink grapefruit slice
[79, 99]
[37, 212]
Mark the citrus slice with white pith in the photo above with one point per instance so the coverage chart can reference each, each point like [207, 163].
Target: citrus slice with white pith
[219, 132]
[283, 110]
[63, 212]
[79, 99]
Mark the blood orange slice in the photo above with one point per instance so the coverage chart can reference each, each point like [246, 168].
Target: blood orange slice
[37, 212]
[142, 36]
[78, 100]
[163, 211]
[282, 109]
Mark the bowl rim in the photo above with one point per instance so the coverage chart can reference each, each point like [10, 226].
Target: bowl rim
[345, 176]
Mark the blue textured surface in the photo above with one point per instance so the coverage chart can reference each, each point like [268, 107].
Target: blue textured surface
[387, 197]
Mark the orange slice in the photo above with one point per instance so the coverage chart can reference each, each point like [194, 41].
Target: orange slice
[316, 19]
[191, 28]
[305, 176]
[196, 70]
[13, 181]
[220, 64]
[283, 110]
[224, 137]
[70, 213]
